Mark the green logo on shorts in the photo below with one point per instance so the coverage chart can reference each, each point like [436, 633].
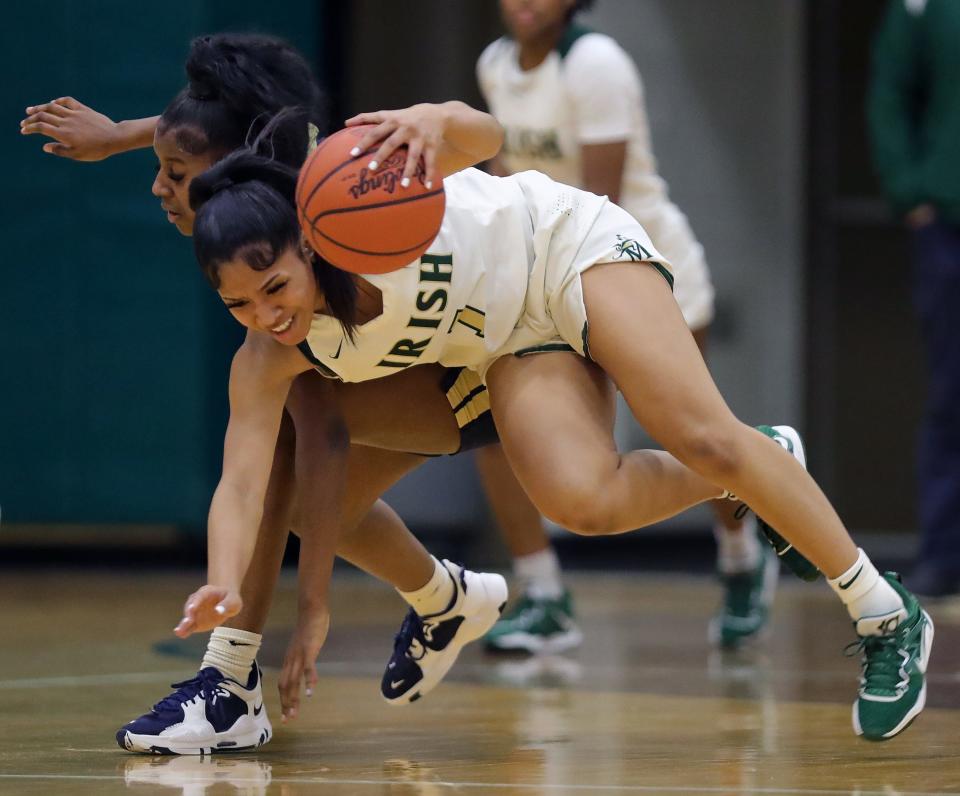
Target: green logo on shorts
[632, 249]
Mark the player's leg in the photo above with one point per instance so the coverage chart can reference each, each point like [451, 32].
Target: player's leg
[747, 566]
[239, 719]
[936, 297]
[637, 335]
[555, 415]
[541, 618]
[374, 537]
[449, 605]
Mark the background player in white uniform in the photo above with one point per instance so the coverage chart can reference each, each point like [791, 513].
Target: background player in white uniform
[594, 285]
[571, 103]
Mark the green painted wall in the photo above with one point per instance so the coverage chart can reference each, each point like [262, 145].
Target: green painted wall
[113, 351]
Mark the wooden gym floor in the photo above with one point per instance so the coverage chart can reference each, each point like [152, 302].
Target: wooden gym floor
[644, 707]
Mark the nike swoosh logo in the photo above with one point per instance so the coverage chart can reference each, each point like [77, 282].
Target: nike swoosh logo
[339, 348]
[257, 709]
[395, 684]
[238, 643]
[849, 582]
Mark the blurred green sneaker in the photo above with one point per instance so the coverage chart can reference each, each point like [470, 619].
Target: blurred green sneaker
[790, 441]
[536, 625]
[896, 648]
[747, 597]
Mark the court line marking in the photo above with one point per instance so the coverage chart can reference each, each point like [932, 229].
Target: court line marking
[345, 667]
[540, 786]
[90, 679]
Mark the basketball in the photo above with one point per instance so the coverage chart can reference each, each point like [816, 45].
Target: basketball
[360, 220]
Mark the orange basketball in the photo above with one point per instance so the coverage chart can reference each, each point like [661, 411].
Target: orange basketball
[360, 220]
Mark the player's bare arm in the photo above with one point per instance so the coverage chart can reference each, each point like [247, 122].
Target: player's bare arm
[81, 133]
[260, 379]
[323, 445]
[602, 166]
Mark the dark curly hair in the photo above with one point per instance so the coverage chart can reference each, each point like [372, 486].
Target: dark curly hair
[236, 84]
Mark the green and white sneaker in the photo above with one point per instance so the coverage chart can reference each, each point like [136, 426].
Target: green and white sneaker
[747, 597]
[896, 648]
[788, 438]
[536, 625]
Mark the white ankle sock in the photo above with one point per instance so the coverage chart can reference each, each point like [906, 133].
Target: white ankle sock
[738, 550]
[435, 596]
[539, 574]
[870, 600]
[232, 652]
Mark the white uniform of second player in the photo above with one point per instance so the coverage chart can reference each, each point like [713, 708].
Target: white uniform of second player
[589, 92]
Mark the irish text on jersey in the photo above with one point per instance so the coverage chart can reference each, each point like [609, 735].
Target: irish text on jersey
[436, 271]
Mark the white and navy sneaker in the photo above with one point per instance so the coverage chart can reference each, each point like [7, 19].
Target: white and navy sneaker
[207, 714]
[427, 646]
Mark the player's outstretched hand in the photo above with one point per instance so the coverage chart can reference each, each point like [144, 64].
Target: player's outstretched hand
[420, 128]
[300, 661]
[78, 132]
[208, 607]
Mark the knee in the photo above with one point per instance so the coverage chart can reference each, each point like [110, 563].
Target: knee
[580, 507]
[714, 452]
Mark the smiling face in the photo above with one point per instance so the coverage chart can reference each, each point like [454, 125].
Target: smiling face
[278, 299]
[176, 168]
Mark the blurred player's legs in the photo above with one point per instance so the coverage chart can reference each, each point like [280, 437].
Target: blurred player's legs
[936, 296]
[541, 620]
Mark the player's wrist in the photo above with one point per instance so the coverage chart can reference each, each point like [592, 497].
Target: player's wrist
[129, 134]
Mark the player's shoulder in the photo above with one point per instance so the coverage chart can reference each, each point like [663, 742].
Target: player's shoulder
[585, 48]
[496, 52]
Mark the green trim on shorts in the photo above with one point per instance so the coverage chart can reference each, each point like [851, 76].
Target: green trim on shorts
[544, 349]
[664, 272]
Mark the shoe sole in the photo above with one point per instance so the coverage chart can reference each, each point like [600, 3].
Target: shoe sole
[222, 742]
[532, 643]
[472, 628]
[918, 706]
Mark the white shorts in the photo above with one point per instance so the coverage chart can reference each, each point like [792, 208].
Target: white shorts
[554, 316]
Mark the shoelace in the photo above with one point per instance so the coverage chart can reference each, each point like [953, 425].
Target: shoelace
[206, 681]
[410, 630]
[882, 662]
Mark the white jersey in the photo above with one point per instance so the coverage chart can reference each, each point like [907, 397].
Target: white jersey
[462, 301]
[588, 91]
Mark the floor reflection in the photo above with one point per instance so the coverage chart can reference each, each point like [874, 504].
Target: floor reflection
[194, 775]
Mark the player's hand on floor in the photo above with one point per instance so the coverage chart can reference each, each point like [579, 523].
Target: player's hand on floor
[208, 607]
[300, 660]
[78, 132]
[419, 128]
